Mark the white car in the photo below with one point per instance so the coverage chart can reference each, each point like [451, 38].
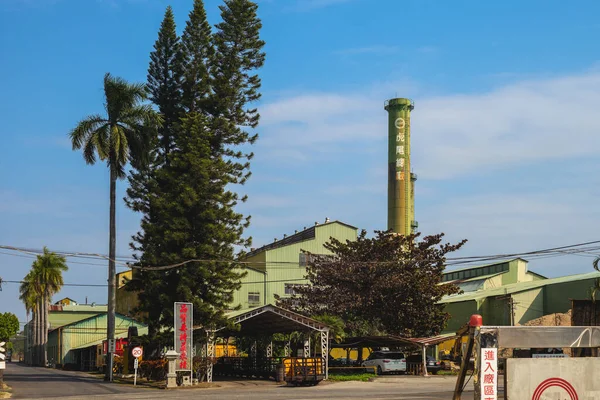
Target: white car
[386, 361]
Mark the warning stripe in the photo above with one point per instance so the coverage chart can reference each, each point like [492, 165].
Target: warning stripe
[554, 382]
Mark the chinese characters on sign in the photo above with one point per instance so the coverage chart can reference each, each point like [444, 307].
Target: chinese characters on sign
[400, 151]
[489, 374]
[184, 322]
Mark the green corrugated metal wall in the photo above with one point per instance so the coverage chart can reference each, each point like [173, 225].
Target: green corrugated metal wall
[92, 330]
[283, 264]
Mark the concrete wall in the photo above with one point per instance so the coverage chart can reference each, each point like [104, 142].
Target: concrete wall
[570, 378]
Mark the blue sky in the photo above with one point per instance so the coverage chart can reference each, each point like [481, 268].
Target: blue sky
[504, 131]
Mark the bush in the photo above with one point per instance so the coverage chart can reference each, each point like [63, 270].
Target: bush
[153, 370]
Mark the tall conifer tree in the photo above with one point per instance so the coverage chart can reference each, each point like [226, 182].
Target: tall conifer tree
[189, 209]
[197, 54]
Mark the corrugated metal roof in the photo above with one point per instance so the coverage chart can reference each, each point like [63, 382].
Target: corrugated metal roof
[518, 287]
[393, 341]
[307, 234]
[270, 319]
[484, 265]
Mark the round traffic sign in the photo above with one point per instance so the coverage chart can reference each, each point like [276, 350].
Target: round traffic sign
[137, 352]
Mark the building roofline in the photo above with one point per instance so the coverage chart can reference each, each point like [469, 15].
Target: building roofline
[95, 316]
[517, 288]
[304, 235]
[484, 265]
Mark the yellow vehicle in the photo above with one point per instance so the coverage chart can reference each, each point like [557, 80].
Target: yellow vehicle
[304, 371]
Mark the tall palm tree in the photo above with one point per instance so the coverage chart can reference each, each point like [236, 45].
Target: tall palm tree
[119, 137]
[48, 269]
[29, 293]
[43, 280]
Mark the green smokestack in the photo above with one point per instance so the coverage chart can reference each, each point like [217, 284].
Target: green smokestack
[401, 182]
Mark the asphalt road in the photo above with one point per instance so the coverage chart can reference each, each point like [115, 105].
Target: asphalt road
[40, 383]
[34, 383]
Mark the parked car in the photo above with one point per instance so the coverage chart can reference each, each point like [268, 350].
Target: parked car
[433, 365]
[386, 361]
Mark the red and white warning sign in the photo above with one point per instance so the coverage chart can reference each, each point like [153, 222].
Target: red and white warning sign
[137, 352]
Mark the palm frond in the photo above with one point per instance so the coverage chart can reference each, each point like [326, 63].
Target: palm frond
[595, 264]
[84, 129]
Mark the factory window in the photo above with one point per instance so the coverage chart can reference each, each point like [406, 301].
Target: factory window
[254, 298]
[303, 259]
[289, 289]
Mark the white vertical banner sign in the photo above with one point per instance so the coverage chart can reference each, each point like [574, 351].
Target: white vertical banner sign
[489, 374]
[184, 322]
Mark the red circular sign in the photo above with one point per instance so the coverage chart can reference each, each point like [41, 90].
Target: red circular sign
[554, 382]
[137, 352]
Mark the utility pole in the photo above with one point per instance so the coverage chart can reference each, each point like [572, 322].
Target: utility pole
[510, 305]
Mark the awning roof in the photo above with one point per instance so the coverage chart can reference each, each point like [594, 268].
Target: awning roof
[270, 319]
[392, 341]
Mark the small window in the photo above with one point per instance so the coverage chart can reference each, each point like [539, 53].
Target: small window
[254, 298]
[289, 289]
[303, 259]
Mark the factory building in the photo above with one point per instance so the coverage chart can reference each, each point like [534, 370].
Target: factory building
[76, 333]
[507, 293]
[274, 269]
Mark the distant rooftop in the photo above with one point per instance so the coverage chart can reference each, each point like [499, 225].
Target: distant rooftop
[306, 234]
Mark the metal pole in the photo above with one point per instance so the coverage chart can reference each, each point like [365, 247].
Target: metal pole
[423, 349]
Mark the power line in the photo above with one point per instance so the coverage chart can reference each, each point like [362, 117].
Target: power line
[104, 285]
[574, 249]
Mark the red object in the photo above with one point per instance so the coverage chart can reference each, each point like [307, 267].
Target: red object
[476, 320]
[119, 343]
[183, 356]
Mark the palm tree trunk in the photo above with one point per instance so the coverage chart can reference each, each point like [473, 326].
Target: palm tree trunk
[33, 337]
[110, 334]
[40, 317]
[45, 331]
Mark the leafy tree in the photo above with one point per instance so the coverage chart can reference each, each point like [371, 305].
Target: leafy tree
[391, 283]
[9, 326]
[119, 137]
[43, 280]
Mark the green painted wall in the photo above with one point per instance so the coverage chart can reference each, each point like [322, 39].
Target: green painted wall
[400, 185]
[240, 297]
[557, 297]
[460, 313]
[528, 305]
[282, 265]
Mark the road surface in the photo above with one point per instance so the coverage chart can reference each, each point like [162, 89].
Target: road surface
[33, 383]
[42, 383]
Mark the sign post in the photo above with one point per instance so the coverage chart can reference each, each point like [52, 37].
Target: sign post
[136, 352]
[184, 323]
[2, 363]
[489, 373]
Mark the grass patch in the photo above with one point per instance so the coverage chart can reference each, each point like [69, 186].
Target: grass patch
[447, 372]
[364, 377]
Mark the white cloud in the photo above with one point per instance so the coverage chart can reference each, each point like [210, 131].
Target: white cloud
[452, 135]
